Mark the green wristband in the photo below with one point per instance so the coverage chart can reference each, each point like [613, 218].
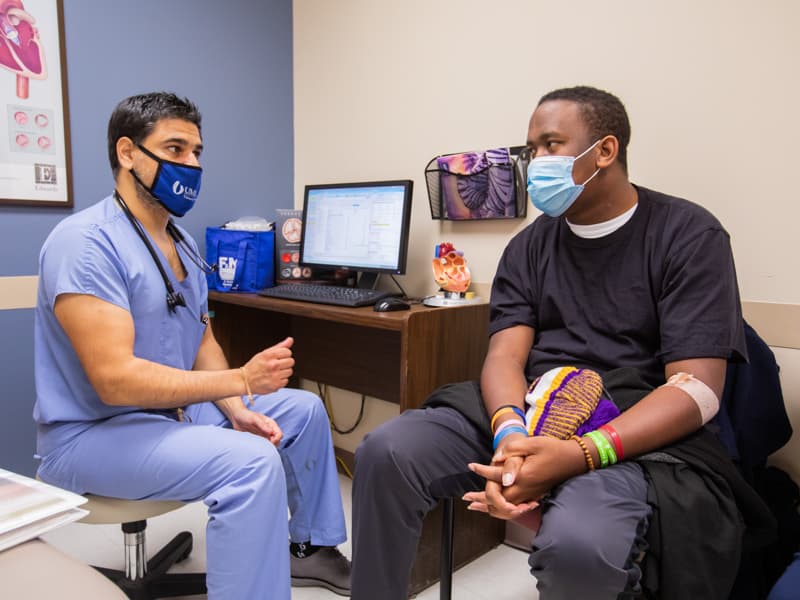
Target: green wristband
[600, 440]
[610, 450]
[604, 449]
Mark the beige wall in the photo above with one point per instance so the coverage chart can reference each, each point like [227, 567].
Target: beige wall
[711, 86]
[382, 86]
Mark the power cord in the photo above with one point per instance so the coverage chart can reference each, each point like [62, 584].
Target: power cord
[343, 465]
[397, 283]
[323, 393]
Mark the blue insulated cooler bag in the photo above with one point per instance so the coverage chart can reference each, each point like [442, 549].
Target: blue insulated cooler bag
[244, 259]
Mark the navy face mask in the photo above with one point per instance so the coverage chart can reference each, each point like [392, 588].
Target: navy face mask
[175, 185]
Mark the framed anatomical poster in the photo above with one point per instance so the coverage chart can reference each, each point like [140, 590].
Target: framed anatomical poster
[34, 117]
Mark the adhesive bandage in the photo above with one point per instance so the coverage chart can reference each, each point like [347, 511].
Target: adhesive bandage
[704, 396]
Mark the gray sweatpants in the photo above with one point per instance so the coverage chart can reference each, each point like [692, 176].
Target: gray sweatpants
[592, 527]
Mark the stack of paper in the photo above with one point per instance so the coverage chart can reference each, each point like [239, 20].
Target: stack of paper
[29, 508]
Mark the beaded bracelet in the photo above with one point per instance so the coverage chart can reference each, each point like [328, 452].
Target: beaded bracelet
[604, 448]
[506, 431]
[586, 455]
[506, 409]
[615, 439]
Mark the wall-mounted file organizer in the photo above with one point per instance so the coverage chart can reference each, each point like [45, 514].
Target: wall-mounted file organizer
[488, 184]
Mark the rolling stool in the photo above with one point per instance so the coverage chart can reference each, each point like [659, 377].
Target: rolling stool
[144, 579]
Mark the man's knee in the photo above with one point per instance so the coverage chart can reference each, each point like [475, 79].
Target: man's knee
[602, 544]
[246, 470]
[310, 406]
[556, 559]
[385, 450]
[381, 443]
[253, 457]
[561, 548]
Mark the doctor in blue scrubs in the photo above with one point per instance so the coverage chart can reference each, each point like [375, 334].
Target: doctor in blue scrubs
[134, 397]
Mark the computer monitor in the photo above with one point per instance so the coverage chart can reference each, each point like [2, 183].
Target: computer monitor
[358, 226]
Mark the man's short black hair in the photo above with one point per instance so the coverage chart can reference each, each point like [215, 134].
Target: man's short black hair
[603, 113]
[135, 117]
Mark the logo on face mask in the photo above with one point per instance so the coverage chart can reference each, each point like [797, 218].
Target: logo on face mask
[177, 197]
[180, 190]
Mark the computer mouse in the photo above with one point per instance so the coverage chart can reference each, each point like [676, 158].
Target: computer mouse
[391, 303]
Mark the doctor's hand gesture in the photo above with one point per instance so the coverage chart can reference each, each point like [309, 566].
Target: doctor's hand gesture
[270, 369]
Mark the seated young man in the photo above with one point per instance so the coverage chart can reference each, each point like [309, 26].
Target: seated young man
[134, 397]
[632, 283]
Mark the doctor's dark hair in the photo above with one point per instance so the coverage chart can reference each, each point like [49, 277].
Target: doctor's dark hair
[135, 117]
[603, 113]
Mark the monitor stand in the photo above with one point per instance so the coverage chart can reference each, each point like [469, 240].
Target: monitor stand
[368, 281]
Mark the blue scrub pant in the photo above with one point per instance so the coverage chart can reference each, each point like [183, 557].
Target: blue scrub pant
[245, 481]
[788, 586]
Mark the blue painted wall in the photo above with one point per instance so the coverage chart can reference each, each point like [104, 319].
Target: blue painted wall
[234, 60]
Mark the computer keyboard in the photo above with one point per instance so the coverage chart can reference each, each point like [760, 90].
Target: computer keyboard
[325, 294]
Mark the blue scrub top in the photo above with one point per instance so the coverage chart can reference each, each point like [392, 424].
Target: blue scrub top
[97, 252]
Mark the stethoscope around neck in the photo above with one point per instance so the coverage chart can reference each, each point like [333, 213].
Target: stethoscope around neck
[174, 299]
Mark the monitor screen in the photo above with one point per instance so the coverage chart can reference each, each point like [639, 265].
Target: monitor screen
[358, 226]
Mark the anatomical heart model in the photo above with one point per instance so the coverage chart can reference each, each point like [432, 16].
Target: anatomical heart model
[450, 269]
[20, 49]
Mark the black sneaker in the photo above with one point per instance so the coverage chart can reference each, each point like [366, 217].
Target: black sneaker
[325, 568]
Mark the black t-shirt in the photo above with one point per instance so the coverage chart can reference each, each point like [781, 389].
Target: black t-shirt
[661, 288]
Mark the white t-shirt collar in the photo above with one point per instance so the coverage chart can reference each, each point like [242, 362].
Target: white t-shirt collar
[598, 230]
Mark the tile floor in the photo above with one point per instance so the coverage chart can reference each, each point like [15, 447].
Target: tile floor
[501, 574]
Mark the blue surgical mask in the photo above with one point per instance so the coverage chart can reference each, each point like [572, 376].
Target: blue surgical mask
[175, 185]
[550, 184]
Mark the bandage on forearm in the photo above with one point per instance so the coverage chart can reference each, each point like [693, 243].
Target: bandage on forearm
[703, 396]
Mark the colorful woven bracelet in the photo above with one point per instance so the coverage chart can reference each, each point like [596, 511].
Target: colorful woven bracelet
[615, 439]
[507, 431]
[586, 455]
[507, 409]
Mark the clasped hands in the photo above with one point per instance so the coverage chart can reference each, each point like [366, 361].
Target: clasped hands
[267, 372]
[522, 471]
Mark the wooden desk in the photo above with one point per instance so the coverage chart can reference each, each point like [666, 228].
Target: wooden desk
[397, 356]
